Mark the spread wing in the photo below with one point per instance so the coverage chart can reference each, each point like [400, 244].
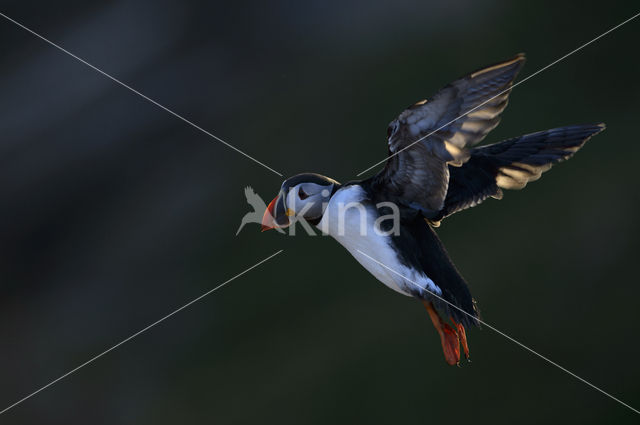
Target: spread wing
[431, 134]
[511, 164]
[254, 199]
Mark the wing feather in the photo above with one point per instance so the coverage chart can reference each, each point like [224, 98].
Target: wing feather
[512, 164]
[432, 134]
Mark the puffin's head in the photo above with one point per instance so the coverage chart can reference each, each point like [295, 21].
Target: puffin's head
[302, 196]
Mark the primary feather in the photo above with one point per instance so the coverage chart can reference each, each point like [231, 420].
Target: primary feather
[432, 134]
[511, 164]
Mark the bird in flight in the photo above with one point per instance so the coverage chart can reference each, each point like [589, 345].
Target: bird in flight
[258, 205]
[434, 169]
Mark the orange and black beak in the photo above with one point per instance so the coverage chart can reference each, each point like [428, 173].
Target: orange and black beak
[277, 214]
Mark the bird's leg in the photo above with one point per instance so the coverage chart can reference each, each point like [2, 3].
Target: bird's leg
[462, 334]
[448, 336]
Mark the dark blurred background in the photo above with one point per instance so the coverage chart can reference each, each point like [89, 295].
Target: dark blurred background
[114, 213]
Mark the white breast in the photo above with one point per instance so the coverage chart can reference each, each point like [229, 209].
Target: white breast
[350, 218]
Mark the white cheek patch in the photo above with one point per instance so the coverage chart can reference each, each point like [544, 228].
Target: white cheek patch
[292, 199]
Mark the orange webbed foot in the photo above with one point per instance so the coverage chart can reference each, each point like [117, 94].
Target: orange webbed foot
[449, 337]
[462, 335]
[450, 345]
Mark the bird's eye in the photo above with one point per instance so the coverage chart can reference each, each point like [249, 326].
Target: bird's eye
[302, 195]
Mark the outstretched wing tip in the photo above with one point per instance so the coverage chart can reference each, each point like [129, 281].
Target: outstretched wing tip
[520, 58]
[589, 130]
[517, 60]
[598, 128]
[248, 192]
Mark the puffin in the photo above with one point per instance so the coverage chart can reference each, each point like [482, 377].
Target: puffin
[434, 169]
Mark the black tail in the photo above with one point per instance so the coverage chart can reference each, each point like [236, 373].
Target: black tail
[423, 250]
[455, 290]
[511, 164]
